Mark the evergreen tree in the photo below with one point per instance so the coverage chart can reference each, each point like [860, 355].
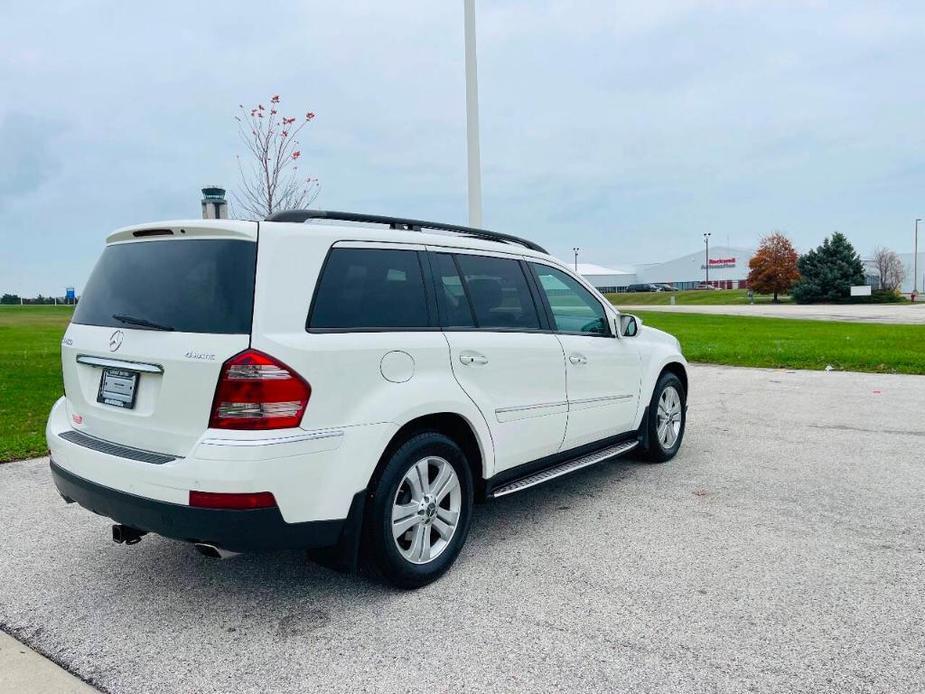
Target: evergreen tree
[828, 272]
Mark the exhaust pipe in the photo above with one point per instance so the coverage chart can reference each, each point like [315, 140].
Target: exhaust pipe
[214, 552]
[124, 534]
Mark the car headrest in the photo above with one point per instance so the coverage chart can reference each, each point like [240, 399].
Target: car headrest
[486, 292]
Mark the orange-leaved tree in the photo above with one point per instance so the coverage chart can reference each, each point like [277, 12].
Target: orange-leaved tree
[773, 268]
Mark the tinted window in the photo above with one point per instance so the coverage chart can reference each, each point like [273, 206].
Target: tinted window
[499, 293]
[189, 285]
[370, 288]
[451, 295]
[574, 308]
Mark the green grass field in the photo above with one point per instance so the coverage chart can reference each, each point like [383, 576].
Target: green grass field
[795, 344]
[30, 375]
[691, 297]
[30, 362]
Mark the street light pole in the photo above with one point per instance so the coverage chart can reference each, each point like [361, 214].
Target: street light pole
[472, 118]
[706, 264]
[575, 251]
[915, 261]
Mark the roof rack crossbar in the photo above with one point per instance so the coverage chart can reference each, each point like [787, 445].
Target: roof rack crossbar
[400, 223]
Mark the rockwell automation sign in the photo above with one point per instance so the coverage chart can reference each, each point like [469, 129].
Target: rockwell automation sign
[720, 263]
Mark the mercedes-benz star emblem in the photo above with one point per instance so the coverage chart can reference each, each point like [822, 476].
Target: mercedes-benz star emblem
[115, 340]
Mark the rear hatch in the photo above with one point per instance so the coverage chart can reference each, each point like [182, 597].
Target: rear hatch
[161, 312]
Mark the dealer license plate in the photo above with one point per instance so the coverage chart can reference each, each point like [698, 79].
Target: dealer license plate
[118, 387]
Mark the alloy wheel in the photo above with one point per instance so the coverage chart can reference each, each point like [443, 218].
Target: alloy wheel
[426, 509]
[669, 417]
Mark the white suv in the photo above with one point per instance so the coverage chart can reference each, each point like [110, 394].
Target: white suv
[343, 381]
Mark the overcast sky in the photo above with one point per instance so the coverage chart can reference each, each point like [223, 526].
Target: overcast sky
[625, 128]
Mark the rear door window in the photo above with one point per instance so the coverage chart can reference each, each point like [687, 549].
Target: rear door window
[452, 302]
[498, 291]
[188, 285]
[369, 289]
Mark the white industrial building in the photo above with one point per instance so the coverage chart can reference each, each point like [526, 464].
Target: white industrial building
[911, 267]
[607, 279]
[907, 259]
[728, 270]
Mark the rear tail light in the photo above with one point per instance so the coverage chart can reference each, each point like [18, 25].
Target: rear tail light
[255, 391]
[238, 501]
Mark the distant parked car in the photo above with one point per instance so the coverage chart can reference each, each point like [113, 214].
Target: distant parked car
[666, 287]
[704, 285]
[644, 288]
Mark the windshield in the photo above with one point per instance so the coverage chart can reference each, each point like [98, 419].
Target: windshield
[189, 285]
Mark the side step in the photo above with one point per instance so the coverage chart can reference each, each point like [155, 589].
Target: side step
[564, 468]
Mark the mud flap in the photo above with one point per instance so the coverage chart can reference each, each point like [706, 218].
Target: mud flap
[642, 433]
[345, 555]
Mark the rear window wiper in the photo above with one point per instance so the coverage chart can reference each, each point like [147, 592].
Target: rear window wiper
[132, 320]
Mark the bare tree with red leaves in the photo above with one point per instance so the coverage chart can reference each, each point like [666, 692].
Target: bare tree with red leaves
[271, 181]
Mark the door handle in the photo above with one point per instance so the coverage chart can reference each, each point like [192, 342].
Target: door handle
[473, 358]
[578, 359]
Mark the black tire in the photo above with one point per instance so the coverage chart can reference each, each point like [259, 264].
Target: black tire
[381, 549]
[656, 451]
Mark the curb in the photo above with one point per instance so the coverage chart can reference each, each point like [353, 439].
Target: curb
[25, 671]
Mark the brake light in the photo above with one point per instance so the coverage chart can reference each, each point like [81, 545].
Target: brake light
[255, 391]
[232, 501]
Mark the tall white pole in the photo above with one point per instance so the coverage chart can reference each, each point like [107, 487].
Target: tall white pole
[472, 119]
[915, 260]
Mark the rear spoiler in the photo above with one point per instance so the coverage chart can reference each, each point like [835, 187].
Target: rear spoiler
[192, 228]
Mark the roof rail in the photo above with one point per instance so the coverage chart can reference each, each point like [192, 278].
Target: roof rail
[400, 223]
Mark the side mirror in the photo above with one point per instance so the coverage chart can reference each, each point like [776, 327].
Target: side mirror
[629, 325]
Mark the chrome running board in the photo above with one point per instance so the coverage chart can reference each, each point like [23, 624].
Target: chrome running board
[564, 468]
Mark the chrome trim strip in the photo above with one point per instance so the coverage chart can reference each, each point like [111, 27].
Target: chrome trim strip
[120, 364]
[605, 398]
[296, 438]
[526, 408]
[564, 468]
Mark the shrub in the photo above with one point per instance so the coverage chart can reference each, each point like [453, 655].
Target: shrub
[877, 296]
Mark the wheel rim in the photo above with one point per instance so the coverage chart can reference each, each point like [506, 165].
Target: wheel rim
[426, 508]
[669, 417]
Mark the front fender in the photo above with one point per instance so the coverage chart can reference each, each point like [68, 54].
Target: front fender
[658, 351]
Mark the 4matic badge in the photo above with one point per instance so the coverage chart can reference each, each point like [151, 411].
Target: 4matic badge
[200, 355]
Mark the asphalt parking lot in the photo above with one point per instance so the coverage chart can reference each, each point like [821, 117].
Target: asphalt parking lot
[782, 550]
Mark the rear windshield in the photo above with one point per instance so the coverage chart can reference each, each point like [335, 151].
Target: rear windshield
[189, 285]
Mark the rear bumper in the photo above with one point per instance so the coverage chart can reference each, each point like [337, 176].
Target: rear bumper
[237, 531]
[313, 475]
